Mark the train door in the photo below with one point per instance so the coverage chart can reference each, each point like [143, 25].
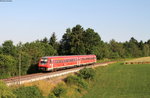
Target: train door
[79, 61]
[52, 63]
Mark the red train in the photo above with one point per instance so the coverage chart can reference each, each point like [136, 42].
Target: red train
[56, 62]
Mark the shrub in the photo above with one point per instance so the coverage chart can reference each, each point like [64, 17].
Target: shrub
[5, 92]
[74, 80]
[58, 91]
[87, 73]
[28, 92]
[51, 95]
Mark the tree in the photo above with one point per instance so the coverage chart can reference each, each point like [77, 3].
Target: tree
[102, 51]
[8, 66]
[133, 40]
[65, 43]
[91, 40]
[53, 42]
[132, 48]
[72, 41]
[146, 50]
[35, 50]
[49, 50]
[77, 44]
[45, 40]
[1, 51]
[8, 48]
[77, 41]
[25, 62]
[148, 42]
[117, 49]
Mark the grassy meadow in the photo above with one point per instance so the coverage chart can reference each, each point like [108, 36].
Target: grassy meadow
[121, 81]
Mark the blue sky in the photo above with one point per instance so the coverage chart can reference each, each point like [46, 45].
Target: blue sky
[28, 20]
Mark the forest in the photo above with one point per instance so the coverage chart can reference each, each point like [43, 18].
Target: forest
[75, 41]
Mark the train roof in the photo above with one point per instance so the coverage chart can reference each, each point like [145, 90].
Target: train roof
[67, 56]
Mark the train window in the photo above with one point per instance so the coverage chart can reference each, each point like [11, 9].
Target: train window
[59, 61]
[55, 61]
[43, 61]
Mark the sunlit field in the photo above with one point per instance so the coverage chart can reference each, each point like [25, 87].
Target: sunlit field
[143, 59]
[121, 81]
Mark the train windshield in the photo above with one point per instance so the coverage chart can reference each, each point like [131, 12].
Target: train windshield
[44, 61]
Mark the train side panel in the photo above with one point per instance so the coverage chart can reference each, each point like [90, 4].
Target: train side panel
[50, 63]
[64, 62]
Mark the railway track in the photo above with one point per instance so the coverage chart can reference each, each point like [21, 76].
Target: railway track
[42, 76]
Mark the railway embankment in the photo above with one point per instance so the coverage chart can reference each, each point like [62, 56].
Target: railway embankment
[54, 86]
[41, 76]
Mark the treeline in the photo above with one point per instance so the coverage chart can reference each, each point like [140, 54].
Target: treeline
[76, 41]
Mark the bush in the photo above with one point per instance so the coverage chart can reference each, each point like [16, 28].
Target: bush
[87, 73]
[5, 92]
[74, 80]
[28, 92]
[58, 91]
[51, 96]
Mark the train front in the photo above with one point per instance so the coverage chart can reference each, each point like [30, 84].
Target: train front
[45, 64]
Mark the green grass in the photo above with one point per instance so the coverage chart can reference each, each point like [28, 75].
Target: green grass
[121, 81]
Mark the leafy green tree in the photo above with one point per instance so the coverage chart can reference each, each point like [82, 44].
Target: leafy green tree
[77, 44]
[148, 42]
[133, 40]
[49, 50]
[65, 46]
[45, 40]
[132, 48]
[77, 41]
[8, 48]
[8, 66]
[117, 49]
[105, 52]
[140, 45]
[53, 42]
[25, 63]
[1, 51]
[146, 50]
[35, 50]
[91, 40]
[72, 41]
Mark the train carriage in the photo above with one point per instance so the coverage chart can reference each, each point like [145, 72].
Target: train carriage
[57, 62]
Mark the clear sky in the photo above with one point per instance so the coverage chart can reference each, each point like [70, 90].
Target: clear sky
[29, 20]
